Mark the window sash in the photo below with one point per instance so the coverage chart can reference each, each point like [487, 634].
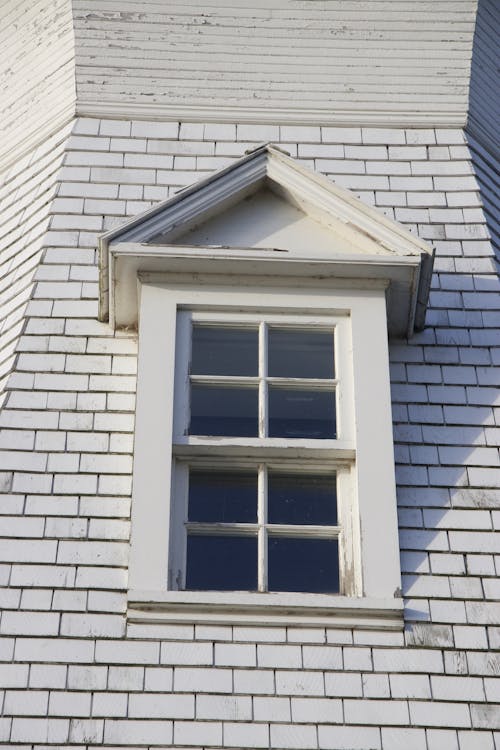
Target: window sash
[306, 455]
[262, 529]
[186, 319]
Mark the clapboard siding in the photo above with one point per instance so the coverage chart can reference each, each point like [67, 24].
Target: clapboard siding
[37, 83]
[26, 194]
[484, 107]
[397, 60]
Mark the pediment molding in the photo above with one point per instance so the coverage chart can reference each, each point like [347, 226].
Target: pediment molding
[365, 245]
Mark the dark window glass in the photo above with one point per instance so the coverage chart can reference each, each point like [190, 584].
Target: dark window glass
[222, 410]
[302, 499]
[221, 563]
[222, 497]
[301, 564]
[225, 351]
[295, 413]
[300, 354]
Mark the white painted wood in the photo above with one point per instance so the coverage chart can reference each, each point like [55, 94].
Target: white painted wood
[263, 609]
[261, 453]
[203, 63]
[26, 191]
[153, 440]
[376, 488]
[177, 543]
[266, 220]
[363, 507]
[38, 85]
[262, 497]
[316, 195]
[328, 244]
[183, 357]
[350, 550]
[340, 451]
[368, 114]
[64, 595]
[229, 63]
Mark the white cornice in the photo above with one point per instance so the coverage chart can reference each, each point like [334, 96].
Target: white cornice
[383, 117]
[251, 115]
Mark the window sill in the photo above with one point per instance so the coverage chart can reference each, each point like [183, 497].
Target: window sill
[246, 608]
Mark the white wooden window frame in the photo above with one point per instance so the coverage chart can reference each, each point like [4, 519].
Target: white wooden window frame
[265, 453]
[343, 531]
[362, 453]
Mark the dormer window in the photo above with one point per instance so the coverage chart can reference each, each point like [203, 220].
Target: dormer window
[263, 464]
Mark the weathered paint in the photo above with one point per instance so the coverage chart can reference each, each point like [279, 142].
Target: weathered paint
[37, 73]
[372, 61]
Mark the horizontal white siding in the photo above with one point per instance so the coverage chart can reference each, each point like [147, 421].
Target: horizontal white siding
[27, 190]
[37, 83]
[325, 61]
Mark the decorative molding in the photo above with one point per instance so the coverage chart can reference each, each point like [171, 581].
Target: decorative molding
[221, 113]
[372, 247]
[241, 608]
[186, 113]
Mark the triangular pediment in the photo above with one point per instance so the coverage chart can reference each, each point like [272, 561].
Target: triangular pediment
[268, 220]
[261, 220]
[266, 206]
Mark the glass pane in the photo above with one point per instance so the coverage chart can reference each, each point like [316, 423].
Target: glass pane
[300, 564]
[302, 499]
[225, 351]
[222, 410]
[295, 413]
[225, 497]
[221, 563]
[300, 354]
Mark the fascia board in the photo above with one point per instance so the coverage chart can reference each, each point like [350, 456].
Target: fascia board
[199, 202]
[183, 207]
[342, 205]
[256, 255]
[267, 161]
[196, 198]
[159, 262]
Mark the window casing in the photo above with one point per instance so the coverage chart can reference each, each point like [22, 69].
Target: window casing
[359, 454]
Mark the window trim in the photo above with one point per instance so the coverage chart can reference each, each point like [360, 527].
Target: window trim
[378, 596]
